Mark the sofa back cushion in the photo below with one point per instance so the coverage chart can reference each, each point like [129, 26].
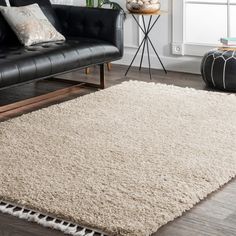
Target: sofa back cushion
[45, 6]
[3, 3]
[7, 36]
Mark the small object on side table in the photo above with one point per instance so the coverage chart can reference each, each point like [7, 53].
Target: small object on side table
[146, 41]
[218, 69]
[143, 6]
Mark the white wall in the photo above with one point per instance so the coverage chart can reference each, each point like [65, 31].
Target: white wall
[161, 36]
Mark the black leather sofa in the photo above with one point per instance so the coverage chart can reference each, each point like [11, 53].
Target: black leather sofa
[93, 37]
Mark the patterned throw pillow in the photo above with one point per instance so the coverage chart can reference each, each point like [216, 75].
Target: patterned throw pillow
[30, 24]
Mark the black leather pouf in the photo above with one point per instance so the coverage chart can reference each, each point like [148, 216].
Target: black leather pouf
[219, 69]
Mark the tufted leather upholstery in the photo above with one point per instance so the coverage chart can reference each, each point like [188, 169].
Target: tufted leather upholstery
[19, 64]
[88, 43]
[94, 23]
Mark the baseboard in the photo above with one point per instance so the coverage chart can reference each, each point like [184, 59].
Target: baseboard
[173, 63]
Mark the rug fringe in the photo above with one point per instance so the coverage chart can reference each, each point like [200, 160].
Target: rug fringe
[47, 221]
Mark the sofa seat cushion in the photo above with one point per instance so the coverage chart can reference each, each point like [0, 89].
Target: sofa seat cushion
[19, 64]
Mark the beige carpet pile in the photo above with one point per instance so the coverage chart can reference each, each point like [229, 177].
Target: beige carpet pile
[125, 160]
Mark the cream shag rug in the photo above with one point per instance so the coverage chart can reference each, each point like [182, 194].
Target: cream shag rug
[125, 160]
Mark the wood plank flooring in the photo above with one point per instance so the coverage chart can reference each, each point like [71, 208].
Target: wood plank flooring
[215, 216]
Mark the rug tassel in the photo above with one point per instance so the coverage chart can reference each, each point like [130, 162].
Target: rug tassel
[46, 221]
[80, 233]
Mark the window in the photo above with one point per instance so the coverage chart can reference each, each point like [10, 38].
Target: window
[199, 24]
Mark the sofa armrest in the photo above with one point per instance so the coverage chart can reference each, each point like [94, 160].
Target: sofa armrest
[103, 24]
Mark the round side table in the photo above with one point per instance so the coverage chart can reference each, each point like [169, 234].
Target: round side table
[146, 41]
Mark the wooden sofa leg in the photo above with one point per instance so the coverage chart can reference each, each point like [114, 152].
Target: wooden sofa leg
[87, 70]
[102, 76]
[109, 66]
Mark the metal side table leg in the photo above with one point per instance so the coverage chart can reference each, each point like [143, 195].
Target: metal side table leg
[146, 29]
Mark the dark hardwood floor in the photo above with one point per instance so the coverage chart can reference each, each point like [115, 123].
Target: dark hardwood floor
[215, 216]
